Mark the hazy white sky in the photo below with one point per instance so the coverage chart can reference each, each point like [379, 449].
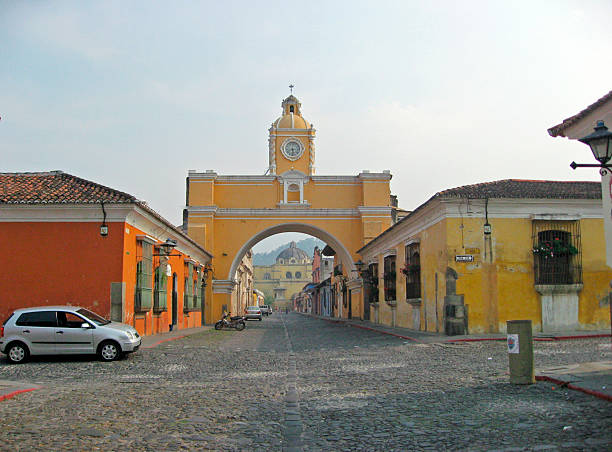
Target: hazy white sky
[443, 93]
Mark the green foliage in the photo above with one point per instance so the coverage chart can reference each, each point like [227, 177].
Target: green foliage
[269, 300]
[552, 248]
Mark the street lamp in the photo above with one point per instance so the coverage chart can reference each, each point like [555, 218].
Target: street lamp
[600, 143]
[166, 248]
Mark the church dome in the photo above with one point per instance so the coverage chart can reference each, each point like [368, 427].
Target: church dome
[293, 252]
[291, 121]
[292, 117]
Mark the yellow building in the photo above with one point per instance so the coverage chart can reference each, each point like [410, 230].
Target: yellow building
[229, 214]
[474, 257]
[291, 271]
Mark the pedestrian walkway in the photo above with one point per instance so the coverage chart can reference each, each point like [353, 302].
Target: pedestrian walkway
[430, 337]
[593, 378]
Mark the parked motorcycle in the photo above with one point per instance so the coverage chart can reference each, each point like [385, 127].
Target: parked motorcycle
[228, 321]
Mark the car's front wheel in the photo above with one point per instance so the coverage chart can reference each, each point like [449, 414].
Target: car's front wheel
[109, 351]
[17, 353]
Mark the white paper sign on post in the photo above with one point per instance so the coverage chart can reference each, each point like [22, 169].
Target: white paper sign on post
[513, 343]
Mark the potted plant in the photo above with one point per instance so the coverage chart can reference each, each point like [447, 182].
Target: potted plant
[410, 269]
[555, 247]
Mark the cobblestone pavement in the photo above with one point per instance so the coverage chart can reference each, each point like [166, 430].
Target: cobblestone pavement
[296, 383]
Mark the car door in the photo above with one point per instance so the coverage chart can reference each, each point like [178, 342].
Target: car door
[38, 329]
[70, 337]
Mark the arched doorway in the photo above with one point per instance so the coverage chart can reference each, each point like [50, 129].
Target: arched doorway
[341, 250]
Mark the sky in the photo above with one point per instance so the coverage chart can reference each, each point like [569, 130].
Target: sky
[133, 95]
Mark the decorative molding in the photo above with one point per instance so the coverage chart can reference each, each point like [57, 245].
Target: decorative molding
[209, 174]
[247, 213]
[223, 285]
[147, 239]
[293, 205]
[556, 217]
[202, 209]
[374, 176]
[68, 213]
[375, 210]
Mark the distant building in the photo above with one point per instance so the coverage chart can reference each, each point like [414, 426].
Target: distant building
[286, 277]
[320, 291]
[242, 295]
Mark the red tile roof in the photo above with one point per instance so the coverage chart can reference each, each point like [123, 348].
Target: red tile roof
[56, 187]
[511, 189]
[531, 189]
[558, 130]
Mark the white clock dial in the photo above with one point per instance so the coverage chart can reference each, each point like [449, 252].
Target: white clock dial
[292, 148]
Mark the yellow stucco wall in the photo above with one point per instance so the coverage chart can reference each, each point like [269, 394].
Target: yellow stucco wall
[499, 284]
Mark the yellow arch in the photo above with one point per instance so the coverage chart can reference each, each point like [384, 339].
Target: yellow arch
[343, 253]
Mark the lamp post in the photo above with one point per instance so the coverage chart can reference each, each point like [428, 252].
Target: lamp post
[166, 249]
[600, 142]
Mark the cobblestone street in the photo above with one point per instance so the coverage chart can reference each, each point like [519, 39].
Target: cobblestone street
[293, 382]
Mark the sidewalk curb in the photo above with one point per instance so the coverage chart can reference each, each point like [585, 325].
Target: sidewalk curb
[441, 340]
[562, 383]
[383, 332]
[10, 395]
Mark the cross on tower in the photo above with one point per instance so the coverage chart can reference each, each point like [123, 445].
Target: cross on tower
[291, 88]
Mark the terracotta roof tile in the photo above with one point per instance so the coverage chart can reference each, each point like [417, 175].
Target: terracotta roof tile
[56, 187]
[558, 130]
[510, 189]
[531, 189]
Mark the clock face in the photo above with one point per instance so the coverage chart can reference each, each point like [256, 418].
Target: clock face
[292, 148]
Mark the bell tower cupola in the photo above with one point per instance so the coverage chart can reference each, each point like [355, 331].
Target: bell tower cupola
[291, 140]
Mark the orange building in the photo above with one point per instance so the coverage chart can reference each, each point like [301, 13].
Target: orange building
[72, 241]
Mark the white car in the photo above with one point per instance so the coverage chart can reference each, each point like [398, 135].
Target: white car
[253, 313]
[57, 330]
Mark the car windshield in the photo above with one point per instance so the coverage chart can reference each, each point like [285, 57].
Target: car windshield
[252, 308]
[95, 318]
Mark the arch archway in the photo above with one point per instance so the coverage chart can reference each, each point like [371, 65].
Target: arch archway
[343, 254]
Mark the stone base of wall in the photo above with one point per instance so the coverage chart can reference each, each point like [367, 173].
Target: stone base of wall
[559, 306]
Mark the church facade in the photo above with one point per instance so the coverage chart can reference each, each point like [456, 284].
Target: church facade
[229, 214]
[287, 276]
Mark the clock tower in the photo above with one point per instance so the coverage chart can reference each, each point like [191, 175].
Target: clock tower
[291, 141]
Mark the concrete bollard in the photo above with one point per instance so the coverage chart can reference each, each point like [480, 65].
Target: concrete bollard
[520, 352]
